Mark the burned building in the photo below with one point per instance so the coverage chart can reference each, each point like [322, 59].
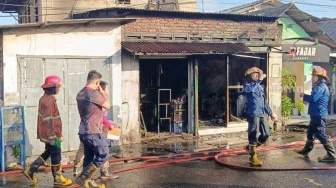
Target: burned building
[184, 71]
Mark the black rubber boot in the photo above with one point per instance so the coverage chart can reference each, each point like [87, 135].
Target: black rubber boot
[306, 149]
[330, 157]
[59, 179]
[31, 169]
[85, 178]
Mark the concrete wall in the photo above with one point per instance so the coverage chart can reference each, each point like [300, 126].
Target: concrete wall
[84, 5]
[56, 41]
[51, 10]
[74, 41]
[274, 81]
[130, 98]
[179, 5]
[291, 29]
[60, 9]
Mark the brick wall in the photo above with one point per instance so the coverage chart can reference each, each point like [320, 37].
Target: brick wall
[207, 27]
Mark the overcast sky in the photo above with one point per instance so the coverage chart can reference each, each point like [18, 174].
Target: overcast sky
[318, 8]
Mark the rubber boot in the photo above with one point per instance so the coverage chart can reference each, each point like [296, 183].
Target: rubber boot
[31, 169]
[85, 178]
[247, 146]
[306, 149]
[330, 157]
[76, 171]
[105, 174]
[254, 161]
[59, 179]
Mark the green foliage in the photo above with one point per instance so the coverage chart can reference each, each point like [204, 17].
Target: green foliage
[288, 80]
[16, 151]
[286, 106]
[300, 106]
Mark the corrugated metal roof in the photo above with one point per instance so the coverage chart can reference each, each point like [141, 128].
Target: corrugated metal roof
[126, 12]
[70, 22]
[238, 9]
[275, 11]
[300, 17]
[329, 26]
[186, 48]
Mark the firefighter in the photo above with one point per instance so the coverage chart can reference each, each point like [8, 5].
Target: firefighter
[318, 111]
[49, 131]
[257, 108]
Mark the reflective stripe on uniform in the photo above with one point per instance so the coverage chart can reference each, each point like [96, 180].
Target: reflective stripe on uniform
[49, 117]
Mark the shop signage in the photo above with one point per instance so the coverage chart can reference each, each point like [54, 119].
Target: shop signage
[310, 53]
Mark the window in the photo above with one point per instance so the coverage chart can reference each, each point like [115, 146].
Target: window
[123, 2]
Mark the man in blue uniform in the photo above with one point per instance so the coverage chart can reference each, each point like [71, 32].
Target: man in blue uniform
[257, 108]
[318, 111]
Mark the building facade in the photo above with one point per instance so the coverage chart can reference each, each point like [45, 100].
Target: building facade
[201, 58]
[31, 11]
[68, 49]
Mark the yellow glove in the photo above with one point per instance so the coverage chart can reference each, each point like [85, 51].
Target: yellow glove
[61, 139]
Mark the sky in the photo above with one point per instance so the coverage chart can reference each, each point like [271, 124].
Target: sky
[318, 8]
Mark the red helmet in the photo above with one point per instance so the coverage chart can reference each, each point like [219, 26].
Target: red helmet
[253, 70]
[52, 81]
[319, 71]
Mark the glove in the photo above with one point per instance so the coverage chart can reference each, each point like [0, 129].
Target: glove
[61, 139]
[262, 76]
[58, 143]
[274, 117]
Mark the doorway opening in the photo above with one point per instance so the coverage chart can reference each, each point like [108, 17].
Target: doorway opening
[221, 97]
[164, 94]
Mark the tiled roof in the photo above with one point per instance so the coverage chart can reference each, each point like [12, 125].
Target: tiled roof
[183, 48]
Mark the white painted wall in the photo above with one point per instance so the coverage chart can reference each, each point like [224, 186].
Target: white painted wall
[131, 98]
[63, 41]
[274, 86]
[99, 41]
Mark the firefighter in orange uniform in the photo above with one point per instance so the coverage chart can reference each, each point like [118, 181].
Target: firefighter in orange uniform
[49, 131]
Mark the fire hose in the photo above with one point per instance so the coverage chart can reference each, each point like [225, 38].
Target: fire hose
[151, 161]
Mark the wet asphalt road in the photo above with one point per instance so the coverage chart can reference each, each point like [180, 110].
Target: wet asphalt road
[210, 174]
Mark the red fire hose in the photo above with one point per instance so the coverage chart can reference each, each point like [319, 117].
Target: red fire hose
[150, 161]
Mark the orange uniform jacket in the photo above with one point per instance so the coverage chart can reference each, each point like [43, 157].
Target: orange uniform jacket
[49, 124]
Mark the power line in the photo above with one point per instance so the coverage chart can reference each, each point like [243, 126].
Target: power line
[311, 4]
[128, 6]
[203, 2]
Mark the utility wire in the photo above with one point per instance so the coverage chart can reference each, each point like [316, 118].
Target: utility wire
[128, 6]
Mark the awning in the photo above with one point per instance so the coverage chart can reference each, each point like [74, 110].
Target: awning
[183, 48]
